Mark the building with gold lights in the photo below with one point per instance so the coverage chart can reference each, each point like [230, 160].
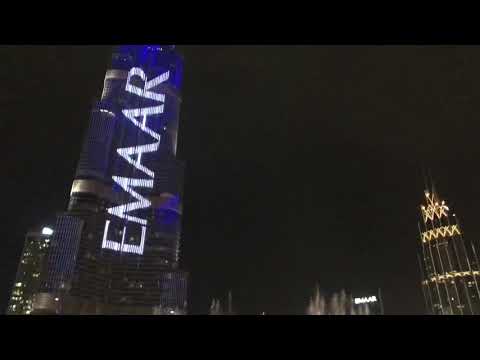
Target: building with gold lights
[449, 262]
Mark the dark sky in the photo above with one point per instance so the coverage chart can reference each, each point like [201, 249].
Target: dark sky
[304, 163]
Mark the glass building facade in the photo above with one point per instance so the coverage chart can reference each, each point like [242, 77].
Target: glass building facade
[116, 248]
[30, 269]
[448, 261]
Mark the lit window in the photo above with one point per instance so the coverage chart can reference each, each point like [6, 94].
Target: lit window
[18, 284]
[107, 112]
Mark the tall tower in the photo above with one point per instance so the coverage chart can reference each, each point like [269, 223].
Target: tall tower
[29, 271]
[116, 248]
[449, 265]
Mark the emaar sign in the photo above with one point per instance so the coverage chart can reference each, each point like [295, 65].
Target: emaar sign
[133, 155]
[364, 300]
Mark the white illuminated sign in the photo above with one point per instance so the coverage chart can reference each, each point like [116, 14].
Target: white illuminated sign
[364, 300]
[47, 231]
[133, 155]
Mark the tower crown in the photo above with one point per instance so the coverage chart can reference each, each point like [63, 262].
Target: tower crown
[434, 208]
[153, 59]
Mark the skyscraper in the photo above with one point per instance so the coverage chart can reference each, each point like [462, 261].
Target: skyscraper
[30, 269]
[116, 248]
[448, 262]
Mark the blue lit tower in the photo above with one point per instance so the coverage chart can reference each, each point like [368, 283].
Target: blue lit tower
[116, 248]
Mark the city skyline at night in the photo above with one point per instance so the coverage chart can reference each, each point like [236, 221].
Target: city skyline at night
[302, 164]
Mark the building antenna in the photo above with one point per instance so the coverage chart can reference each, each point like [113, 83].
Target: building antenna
[432, 184]
[425, 180]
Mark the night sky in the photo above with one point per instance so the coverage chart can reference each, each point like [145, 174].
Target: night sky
[304, 163]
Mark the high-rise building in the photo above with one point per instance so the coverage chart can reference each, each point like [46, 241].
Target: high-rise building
[116, 248]
[30, 269]
[448, 261]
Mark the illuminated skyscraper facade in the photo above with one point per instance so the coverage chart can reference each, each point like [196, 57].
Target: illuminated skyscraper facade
[30, 269]
[449, 262]
[116, 248]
